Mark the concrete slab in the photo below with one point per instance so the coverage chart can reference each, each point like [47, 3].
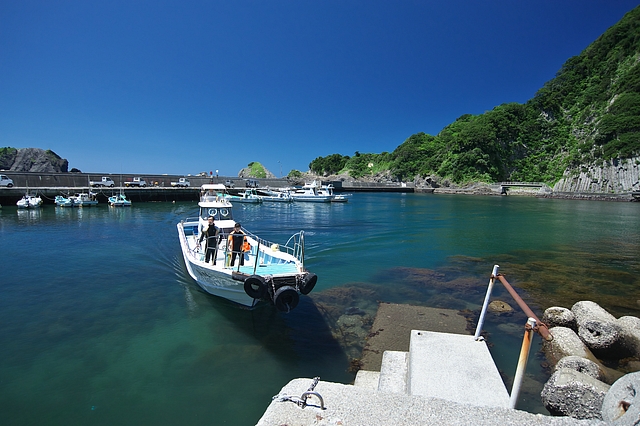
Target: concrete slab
[367, 379]
[391, 329]
[393, 373]
[355, 406]
[454, 367]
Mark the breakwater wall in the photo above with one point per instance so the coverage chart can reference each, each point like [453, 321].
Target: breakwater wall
[159, 188]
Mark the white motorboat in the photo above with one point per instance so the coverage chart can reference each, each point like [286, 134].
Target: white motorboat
[249, 195]
[63, 201]
[29, 201]
[119, 200]
[271, 272]
[335, 198]
[275, 196]
[309, 193]
[84, 199]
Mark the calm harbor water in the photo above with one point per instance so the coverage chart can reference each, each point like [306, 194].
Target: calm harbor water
[101, 324]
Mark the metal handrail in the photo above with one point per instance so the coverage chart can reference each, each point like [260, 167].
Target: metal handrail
[533, 324]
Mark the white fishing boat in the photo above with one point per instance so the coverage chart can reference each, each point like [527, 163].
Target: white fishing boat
[309, 193]
[271, 272]
[335, 198]
[29, 201]
[273, 196]
[63, 201]
[249, 195]
[119, 200]
[84, 199]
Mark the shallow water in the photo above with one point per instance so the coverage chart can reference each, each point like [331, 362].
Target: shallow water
[102, 325]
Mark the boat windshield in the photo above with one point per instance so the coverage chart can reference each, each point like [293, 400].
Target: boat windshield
[217, 213]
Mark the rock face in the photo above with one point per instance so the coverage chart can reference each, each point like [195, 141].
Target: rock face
[32, 160]
[611, 177]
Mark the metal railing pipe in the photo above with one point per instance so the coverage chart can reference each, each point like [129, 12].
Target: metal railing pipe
[540, 327]
[487, 297]
[522, 362]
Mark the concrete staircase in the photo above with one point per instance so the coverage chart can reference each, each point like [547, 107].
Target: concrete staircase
[453, 367]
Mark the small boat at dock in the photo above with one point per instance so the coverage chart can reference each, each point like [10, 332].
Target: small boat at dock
[62, 201]
[119, 200]
[29, 201]
[84, 200]
[310, 193]
[270, 272]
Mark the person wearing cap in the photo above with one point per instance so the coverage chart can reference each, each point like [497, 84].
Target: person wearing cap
[236, 241]
[211, 234]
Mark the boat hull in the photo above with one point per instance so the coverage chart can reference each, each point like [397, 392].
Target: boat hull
[216, 281]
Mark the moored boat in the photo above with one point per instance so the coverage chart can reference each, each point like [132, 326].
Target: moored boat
[275, 196]
[335, 198]
[29, 201]
[84, 199]
[309, 193]
[119, 200]
[249, 195]
[63, 201]
[271, 272]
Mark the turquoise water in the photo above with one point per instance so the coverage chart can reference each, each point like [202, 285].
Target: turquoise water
[101, 324]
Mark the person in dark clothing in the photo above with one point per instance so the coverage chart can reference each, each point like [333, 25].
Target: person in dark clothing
[237, 239]
[211, 234]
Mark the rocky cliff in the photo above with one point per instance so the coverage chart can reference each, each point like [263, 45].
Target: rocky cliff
[610, 177]
[32, 160]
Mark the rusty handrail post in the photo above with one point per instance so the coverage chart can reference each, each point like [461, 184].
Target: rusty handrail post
[487, 297]
[522, 362]
[540, 327]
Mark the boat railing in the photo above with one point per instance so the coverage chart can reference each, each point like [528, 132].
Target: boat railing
[533, 324]
[294, 246]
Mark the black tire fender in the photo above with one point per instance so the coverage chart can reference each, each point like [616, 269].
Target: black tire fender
[286, 298]
[255, 287]
[308, 283]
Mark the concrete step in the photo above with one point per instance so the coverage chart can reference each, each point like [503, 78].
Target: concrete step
[367, 380]
[454, 367]
[393, 372]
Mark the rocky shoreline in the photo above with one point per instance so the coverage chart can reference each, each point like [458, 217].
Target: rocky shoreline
[596, 363]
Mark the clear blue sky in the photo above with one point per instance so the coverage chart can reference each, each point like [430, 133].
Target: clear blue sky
[185, 86]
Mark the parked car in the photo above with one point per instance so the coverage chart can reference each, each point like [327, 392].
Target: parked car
[252, 183]
[6, 181]
[229, 183]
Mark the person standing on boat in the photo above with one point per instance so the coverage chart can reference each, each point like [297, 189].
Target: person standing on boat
[211, 234]
[237, 240]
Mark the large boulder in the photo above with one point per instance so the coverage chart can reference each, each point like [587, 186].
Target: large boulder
[581, 365]
[587, 310]
[571, 393]
[621, 404]
[557, 316]
[32, 160]
[565, 342]
[630, 334]
[597, 328]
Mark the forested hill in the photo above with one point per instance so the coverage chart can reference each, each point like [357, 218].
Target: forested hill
[588, 115]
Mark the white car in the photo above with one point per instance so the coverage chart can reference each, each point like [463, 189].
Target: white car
[6, 181]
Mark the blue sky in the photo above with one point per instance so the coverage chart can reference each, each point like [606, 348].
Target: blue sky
[181, 87]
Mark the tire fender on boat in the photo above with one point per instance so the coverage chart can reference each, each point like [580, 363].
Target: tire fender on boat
[286, 298]
[255, 286]
[308, 282]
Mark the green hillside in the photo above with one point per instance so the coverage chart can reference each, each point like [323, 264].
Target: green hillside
[588, 113]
